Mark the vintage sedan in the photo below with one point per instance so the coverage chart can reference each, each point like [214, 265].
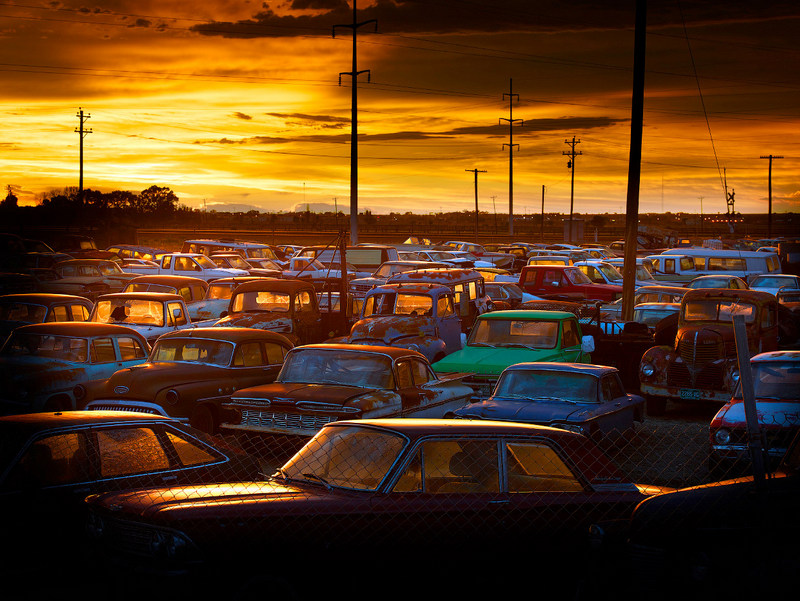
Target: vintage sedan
[48, 366]
[589, 399]
[190, 373]
[322, 383]
[22, 309]
[192, 290]
[150, 313]
[93, 271]
[775, 282]
[366, 491]
[52, 461]
[776, 386]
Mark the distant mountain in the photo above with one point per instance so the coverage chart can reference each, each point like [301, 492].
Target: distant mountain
[221, 207]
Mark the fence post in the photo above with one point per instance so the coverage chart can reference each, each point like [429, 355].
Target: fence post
[754, 439]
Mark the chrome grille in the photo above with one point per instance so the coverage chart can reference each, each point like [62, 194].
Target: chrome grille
[698, 354]
[707, 378]
[296, 421]
[128, 537]
[128, 408]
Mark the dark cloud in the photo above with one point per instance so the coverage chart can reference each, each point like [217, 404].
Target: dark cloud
[323, 121]
[441, 17]
[242, 116]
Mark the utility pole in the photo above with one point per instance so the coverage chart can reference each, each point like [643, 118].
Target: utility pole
[494, 208]
[511, 122]
[541, 236]
[634, 162]
[769, 211]
[476, 172]
[83, 132]
[571, 165]
[701, 215]
[354, 123]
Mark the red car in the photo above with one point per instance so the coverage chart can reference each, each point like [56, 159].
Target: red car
[565, 282]
[776, 383]
[363, 495]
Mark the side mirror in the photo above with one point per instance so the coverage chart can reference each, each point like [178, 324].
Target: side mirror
[176, 313]
[587, 344]
[223, 314]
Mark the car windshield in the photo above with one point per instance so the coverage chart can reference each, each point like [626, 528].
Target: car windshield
[771, 281]
[66, 348]
[514, 332]
[110, 268]
[236, 261]
[775, 380]
[220, 291]
[261, 300]
[22, 312]
[143, 287]
[260, 253]
[193, 350]
[651, 316]
[337, 367]
[642, 273]
[610, 271]
[345, 456]
[718, 310]
[398, 304]
[576, 276]
[546, 385]
[205, 262]
[129, 311]
[709, 283]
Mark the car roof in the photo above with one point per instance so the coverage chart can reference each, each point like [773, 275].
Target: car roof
[526, 314]
[76, 328]
[410, 287]
[275, 284]
[585, 368]
[667, 289]
[391, 351]
[37, 422]
[167, 279]
[44, 298]
[160, 296]
[229, 334]
[776, 356]
[746, 295]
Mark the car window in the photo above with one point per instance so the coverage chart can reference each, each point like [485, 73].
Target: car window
[275, 353]
[130, 349]
[128, 451]
[58, 313]
[248, 355]
[452, 466]
[421, 372]
[51, 461]
[189, 452]
[405, 378]
[102, 350]
[79, 313]
[171, 319]
[536, 467]
[612, 388]
[570, 334]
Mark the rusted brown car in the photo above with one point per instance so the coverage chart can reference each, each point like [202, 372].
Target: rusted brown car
[702, 365]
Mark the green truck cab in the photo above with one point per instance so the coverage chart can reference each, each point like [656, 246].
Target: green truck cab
[503, 338]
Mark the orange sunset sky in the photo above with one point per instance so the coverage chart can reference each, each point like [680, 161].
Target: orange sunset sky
[239, 103]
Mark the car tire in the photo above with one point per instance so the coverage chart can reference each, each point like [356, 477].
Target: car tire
[205, 419]
[656, 406]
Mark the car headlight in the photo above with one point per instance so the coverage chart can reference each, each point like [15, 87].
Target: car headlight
[570, 427]
[79, 392]
[648, 369]
[735, 375]
[722, 436]
[168, 545]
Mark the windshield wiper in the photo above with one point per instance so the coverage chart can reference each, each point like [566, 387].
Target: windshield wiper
[553, 398]
[317, 479]
[481, 344]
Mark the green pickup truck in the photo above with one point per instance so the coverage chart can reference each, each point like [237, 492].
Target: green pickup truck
[503, 338]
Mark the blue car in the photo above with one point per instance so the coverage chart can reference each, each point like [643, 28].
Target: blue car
[589, 399]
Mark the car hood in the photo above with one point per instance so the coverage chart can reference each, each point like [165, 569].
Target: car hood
[198, 500]
[485, 360]
[542, 412]
[771, 413]
[392, 327]
[18, 368]
[289, 393]
[262, 320]
[150, 376]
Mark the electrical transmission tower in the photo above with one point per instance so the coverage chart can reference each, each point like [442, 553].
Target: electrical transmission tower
[354, 123]
[571, 165]
[511, 122]
[83, 132]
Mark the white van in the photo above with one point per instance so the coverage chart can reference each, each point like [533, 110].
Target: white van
[741, 263]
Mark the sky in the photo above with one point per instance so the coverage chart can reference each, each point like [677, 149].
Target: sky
[248, 105]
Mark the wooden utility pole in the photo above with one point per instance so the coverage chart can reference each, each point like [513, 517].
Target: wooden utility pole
[476, 172]
[541, 236]
[82, 132]
[354, 123]
[571, 165]
[511, 122]
[769, 210]
[634, 163]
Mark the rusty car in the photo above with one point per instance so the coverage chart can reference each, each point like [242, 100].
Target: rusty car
[94, 271]
[321, 383]
[190, 373]
[584, 398]
[193, 290]
[48, 366]
[150, 313]
[383, 489]
[37, 307]
[421, 317]
[702, 365]
[289, 307]
[217, 298]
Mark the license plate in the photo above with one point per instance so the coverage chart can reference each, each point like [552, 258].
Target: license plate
[690, 394]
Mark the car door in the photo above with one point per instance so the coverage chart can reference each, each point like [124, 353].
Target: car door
[616, 411]
[257, 362]
[571, 342]
[411, 375]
